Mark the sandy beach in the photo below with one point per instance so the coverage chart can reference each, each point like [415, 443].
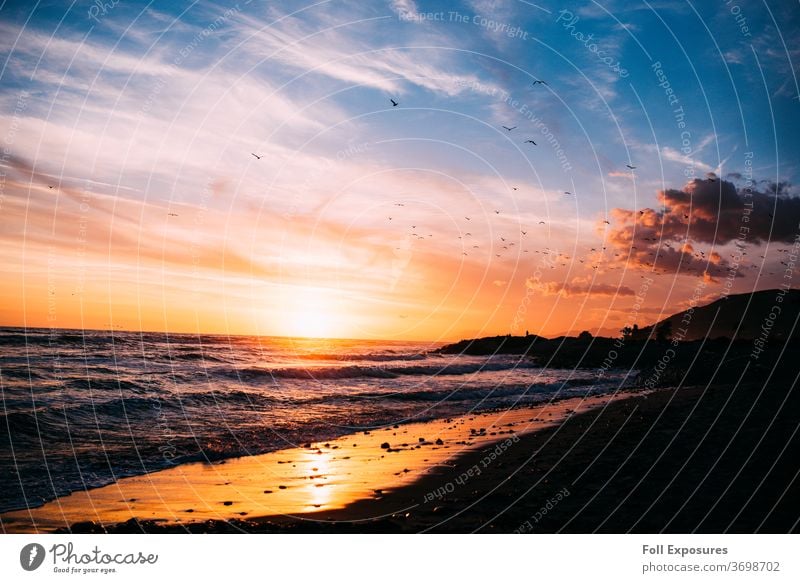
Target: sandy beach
[673, 460]
[291, 483]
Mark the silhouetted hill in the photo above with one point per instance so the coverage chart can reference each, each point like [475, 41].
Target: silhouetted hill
[493, 345]
[719, 342]
[739, 317]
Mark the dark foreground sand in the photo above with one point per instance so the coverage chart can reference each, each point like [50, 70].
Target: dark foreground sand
[711, 460]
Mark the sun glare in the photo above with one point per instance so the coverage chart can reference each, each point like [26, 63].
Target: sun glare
[310, 314]
[311, 324]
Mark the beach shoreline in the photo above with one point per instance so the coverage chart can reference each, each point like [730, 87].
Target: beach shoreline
[678, 460]
[326, 475]
[706, 459]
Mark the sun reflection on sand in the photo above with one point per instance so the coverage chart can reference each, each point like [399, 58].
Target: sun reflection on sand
[317, 490]
[317, 478]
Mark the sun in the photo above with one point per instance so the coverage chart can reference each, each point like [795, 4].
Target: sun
[310, 313]
[311, 323]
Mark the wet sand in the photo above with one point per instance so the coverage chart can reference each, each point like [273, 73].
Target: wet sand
[717, 459]
[291, 483]
[694, 459]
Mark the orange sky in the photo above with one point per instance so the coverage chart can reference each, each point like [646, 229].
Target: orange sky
[78, 257]
[245, 172]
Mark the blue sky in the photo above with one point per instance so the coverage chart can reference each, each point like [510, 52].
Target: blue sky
[157, 107]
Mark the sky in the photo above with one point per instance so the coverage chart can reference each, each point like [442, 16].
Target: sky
[240, 167]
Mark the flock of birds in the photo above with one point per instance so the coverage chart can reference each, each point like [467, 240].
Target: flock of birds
[595, 258]
[505, 243]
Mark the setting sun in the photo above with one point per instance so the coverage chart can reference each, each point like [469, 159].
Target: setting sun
[311, 314]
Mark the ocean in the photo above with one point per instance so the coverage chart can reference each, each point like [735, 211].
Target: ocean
[82, 409]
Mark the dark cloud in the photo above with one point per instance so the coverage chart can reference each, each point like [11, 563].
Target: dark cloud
[710, 212]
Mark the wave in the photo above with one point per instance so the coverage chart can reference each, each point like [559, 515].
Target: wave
[379, 372]
[473, 393]
[196, 356]
[388, 356]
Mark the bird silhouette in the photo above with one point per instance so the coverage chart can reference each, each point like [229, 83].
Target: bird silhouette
[530, 142]
[256, 155]
[631, 167]
[508, 128]
[538, 82]
[394, 103]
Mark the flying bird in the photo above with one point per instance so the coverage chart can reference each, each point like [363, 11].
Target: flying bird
[631, 167]
[538, 82]
[508, 128]
[173, 214]
[530, 142]
[394, 103]
[257, 156]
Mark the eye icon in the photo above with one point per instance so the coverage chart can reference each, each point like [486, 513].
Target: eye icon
[31, 556]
